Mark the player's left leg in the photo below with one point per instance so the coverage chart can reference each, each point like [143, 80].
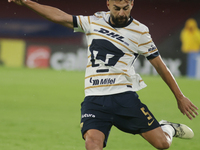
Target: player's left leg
[134, 117]
[158, 138]
[181, 130]
[161, 137]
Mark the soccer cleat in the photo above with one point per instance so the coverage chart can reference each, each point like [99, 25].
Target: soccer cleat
[181, 130]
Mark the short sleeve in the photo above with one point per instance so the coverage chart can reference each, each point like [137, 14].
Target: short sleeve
[81, 23]
[146, 45]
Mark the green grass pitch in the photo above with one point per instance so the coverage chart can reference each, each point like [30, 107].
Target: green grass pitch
[40, 110]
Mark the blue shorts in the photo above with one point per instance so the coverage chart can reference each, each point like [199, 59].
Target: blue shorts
[124, 110]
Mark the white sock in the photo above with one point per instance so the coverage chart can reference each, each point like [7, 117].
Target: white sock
[169, 130]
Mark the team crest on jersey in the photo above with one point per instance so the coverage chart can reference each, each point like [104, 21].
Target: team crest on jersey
[105, 51]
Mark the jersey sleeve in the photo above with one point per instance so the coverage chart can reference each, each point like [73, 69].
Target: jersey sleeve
[146, 45]
[81, 23]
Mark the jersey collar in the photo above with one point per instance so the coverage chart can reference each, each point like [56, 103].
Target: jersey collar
[114, 26]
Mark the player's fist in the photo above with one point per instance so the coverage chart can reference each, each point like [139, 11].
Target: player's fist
[19, 2]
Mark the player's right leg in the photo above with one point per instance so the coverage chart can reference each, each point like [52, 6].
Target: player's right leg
[94, 139]
[96, 121]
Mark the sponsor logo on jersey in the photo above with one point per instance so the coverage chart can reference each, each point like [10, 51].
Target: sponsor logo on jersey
[153, 47]
[102, 81]
[112, 35]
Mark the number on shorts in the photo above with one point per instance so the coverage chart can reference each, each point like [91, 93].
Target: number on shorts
[149, 117]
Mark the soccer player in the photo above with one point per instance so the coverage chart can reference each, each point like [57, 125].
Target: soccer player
[115, 40]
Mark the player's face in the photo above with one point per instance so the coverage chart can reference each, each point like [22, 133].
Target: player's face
[119, 11]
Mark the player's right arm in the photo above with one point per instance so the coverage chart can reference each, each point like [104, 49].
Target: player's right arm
[51, 13]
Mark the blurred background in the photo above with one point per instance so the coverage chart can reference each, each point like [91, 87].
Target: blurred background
[28, 40]
[40, 108]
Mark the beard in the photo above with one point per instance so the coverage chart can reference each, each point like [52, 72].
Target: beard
[119, 21]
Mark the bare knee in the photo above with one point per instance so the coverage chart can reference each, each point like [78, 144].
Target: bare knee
[94, 140]
[157, 138]
[162, 143]
[91, 143]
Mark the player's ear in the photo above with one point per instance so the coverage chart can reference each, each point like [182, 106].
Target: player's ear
[132, 3]
[108, 4]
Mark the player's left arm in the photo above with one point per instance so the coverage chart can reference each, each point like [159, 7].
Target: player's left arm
[184, 104]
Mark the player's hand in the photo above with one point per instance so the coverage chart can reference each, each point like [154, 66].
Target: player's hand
[187, 108]
[19, 2]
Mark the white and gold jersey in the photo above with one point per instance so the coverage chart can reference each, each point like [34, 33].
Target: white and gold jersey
[112, 53]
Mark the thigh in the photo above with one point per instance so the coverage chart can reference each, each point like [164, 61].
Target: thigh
[157, 138]
[132, 116]
[141, 122]
[94, 117]
[94, 139]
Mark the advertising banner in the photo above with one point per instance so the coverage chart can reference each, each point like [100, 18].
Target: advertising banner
[12, 52]
[68, 57]
[56, 56]
[38, 56]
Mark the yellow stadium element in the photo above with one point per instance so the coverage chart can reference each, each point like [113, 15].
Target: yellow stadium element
[12, 52]
[190, 37]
